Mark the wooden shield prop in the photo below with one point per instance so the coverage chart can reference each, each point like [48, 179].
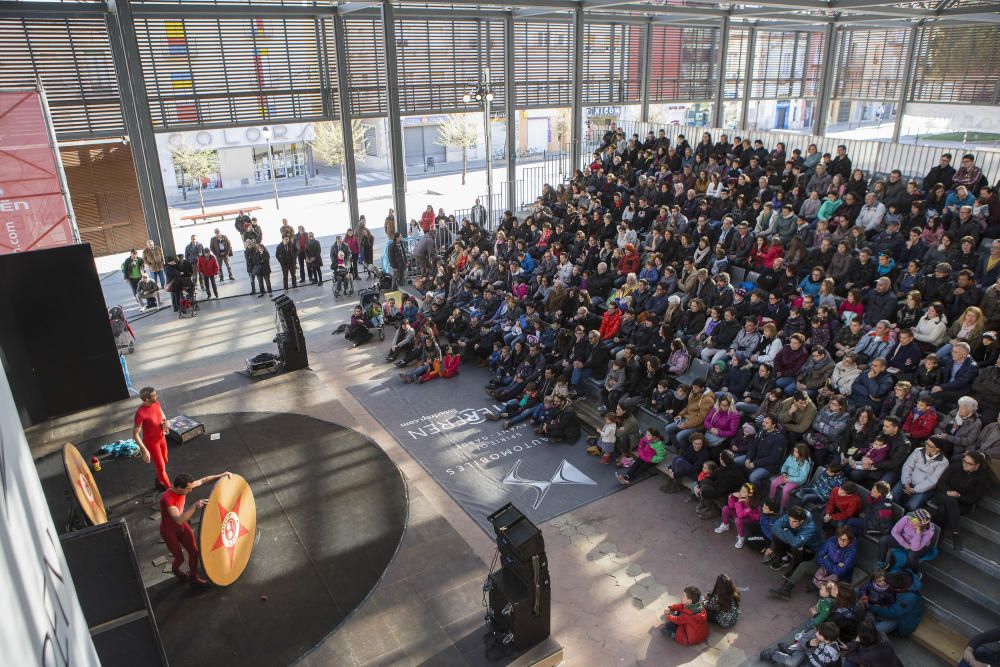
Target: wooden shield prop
[85, 490]
[227, 530]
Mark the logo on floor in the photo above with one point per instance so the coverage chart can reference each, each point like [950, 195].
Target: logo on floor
[566, 473]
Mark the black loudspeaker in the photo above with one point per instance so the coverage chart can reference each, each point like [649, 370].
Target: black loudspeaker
[290, 339]
[55, 340]
[517, 537]
[106, 576]
[518, 613]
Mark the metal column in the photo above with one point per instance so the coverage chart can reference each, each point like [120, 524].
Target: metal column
[904, 90]
[509, 91]
[718, 108]
[346, 124]
[826, 85]
[576, 113]
[138, 124]
[748, 80]
[647, 58]
[395, 122]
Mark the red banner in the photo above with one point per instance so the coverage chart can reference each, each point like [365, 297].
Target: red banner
[33, 211]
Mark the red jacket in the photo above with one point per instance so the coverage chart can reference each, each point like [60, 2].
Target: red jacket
[450, 366]
[841, 508]
[610, 324]
[692, 628]
[207, 266]
[922, 426]
[427, 221]
[629, 263]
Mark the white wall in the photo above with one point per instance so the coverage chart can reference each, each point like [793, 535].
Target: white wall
[42, 621]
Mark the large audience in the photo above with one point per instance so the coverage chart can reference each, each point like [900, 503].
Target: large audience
[815, 343]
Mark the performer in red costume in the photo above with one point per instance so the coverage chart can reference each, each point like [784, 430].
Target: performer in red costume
[150, 431]
[174, 526]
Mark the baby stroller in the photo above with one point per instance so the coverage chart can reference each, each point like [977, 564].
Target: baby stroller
[371, 305]
[188, 304]
[124, 338]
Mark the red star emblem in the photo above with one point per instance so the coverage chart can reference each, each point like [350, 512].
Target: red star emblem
[231, 529]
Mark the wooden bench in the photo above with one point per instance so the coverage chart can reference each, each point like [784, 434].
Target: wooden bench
[215, 216]
[939, 639]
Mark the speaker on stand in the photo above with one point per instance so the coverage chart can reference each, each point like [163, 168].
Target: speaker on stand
[519, 593]
[290, 339]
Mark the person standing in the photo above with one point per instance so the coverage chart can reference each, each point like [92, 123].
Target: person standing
[314, 259]
[351, 241]
[192, 251]
[286, 229]
[477, 214]
[300, 241]
[152, 255]
[285, 254]
[253, 232]
[261, 268]
[132, 270]
[242, 222]
[390, 224]
[174, 527]
[397, 260]
[150, 432]
[208, 268]
[223, 250]
[367, 244]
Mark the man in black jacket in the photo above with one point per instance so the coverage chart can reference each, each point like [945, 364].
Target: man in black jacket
[223, 250]
[943, 173]
[314, 259]
[286, 256]
[397, 260]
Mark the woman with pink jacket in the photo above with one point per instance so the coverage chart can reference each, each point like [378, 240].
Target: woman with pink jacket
[722, 420]
[743, 507]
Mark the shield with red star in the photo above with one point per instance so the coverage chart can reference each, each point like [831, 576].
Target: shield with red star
[227, 529]
[85, 490]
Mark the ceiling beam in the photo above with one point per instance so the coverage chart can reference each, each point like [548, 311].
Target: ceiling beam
[653, 10]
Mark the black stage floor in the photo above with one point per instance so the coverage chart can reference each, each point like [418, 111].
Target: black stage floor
[331, 509]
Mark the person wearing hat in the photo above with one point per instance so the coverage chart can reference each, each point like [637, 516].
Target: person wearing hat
[914, 534]
[890, 241]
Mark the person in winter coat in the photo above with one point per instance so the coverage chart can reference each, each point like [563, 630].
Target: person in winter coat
[223, 250]
[764, 457]
[922, 420]
[789, 361]
[314, 259]
[687, 620]
[688, 462]
[692, 417]
[876, 519]
[286, 255]
[716, 488]
[814, 373]
[932, 328]
[843, 505]
[722, 421]
[208, 269]
[260, 267]
[871, 387]
[960, 428]
[871, 648]
[796, 414]
[743, 509]
[564, 424]
[923, 467]
[989, 444]
[845, 372]
[834, 562]
[914, 533]
[794, 539]
[902, 616]
[794, 473]
[446, 368]
[819, 490]
[829, 427]
[650, 452]
[958, 490]
[611, 322]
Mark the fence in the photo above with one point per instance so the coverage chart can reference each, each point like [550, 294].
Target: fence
[875, 158]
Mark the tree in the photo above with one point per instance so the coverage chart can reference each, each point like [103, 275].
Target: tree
[328, 145]
[458, 131]
[197, 163]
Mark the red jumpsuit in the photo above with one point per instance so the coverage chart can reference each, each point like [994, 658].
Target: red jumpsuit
[150, 418]
[176, 534]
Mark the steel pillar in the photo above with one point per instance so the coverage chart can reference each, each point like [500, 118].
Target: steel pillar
[395, 122]
[138, 124]
[748, 79]
[576, 113]
[350, 174]
[904, 90]
[647, 58]
[826, 85]
[509, 91]
[718, 108]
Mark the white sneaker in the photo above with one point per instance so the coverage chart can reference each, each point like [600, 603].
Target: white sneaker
[722, 528]
[740, 541]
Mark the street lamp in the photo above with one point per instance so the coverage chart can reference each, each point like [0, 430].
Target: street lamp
[483, 94]
[267, 134]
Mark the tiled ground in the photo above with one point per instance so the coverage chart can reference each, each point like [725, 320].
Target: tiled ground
[615, 564]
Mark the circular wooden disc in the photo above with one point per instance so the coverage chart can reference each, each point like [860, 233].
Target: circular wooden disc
[84, 487]
[227, 529]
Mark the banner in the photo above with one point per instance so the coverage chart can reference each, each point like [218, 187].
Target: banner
[33, 206]
[43, 623]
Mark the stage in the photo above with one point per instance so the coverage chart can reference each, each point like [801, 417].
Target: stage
[331, 511]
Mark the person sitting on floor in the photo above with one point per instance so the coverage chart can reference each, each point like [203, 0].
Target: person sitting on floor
[357, 330]
[687, 620]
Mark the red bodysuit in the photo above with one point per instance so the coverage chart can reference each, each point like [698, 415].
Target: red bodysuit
[150, 418]
[176, 534]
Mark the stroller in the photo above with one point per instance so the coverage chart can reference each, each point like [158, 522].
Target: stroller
[371, 305]
[124, 338]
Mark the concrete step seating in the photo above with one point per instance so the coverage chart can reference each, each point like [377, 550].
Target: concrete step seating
[961, 589]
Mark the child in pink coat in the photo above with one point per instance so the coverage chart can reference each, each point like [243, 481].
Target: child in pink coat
[743, 507]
